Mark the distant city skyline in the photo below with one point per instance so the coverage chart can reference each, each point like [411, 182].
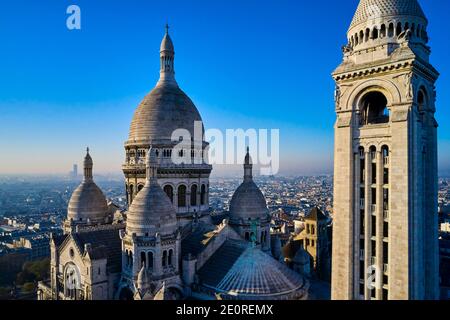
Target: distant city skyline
[64, 90]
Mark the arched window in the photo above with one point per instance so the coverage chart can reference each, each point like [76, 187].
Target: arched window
[361, 36]
[399, 29]
[374, 108]
[362, 166]
[170, 257]
[406, 26]
[130, 255]
[375, 33]
[203, 195]
[169, 191]
[143, 260]
[164, 258]
[391, 30]
[421, 100]
[247, 236]
[367, 35]
[140, 187]
[150, 260]
[383, 31]
[194, 195]
[182, 196]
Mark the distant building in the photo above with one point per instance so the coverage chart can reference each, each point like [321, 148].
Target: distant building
[314, 240]
[311, 238]
[38, 246]
[74, 173]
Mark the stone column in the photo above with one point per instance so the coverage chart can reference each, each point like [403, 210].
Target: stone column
[357, 218]
[175, 199]
[379, 226]
[368, 214]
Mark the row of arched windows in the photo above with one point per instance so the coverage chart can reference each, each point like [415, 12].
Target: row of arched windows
[129, 259]
[147, 259]
[181, 195]
[166, 153]
[390, 31]
[166, 63]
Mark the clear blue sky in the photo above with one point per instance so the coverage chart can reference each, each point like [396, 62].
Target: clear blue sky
[245, 63]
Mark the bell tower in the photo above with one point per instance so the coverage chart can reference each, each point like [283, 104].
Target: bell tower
[385, 229]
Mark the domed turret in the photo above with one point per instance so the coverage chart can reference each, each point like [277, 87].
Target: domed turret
[387, 21]
[248, 202]
[151, 211]
[88, 203]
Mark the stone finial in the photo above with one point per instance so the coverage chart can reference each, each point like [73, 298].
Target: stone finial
[167, 59]
[152, 165]
[88, 165]
[248, 167]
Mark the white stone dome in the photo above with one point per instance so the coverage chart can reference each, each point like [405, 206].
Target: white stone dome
[88, 203]
[165, 109]
[248, 202]
[375, 9]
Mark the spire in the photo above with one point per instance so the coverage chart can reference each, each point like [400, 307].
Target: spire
[248, 167]
[167, 57]
[88, 164]
[151, 166]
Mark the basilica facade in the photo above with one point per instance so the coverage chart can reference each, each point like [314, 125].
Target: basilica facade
[167, 246]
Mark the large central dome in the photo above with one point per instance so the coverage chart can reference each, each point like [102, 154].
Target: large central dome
[166, 108]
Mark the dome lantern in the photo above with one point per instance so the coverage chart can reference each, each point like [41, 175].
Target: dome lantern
[88, 165]
[167, 59]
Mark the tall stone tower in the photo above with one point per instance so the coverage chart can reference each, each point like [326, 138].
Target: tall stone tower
[163, 111]
[385, 242]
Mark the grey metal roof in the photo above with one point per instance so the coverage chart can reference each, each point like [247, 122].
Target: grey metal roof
[105, 244]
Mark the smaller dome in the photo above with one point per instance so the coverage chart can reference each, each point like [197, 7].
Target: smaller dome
[151, 211]
[167, 44]
[88, 203]
[248, 202]
[376, 9]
